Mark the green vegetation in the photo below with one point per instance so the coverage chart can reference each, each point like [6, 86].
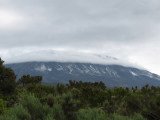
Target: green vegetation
[28, 99]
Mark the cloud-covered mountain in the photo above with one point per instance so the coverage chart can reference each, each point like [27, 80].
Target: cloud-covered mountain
[91, 67]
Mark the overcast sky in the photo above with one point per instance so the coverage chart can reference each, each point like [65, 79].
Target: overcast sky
[125, 29]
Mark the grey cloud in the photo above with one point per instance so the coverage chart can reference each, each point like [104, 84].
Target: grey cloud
[69, 21]
[113, 26]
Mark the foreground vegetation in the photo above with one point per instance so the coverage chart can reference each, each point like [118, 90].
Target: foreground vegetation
[28, 99]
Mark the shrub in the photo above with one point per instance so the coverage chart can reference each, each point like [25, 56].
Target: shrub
[16, 113]
[2, 106]
[29, 108]
[7, 117]
[19, 112]
[91, 114]
[119, 117]
[34, 107]
[138, 116]
[49, 100]
[58, 112]
[49, 118]
[69, 105]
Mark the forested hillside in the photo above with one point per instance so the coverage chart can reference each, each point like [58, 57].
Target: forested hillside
[28, 99]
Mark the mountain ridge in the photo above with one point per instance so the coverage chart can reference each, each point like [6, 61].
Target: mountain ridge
[111, 75]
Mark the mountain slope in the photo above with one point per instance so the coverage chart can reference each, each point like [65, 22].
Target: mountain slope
[111, 75]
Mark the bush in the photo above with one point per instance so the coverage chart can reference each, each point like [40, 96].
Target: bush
[49, 100]
[33, 105]
[49, 118]
[2, 106]
[16, 113]
[29, 108]
[8, 117]
[138, 116]
[19, 112]
[58, 112]
[35, 108]
[119, 117]
[91, 114]
[69, 105]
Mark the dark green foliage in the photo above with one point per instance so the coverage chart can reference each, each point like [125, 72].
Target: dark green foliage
[7, 80]
[16, 113]
[58, 112]
[39, 90]
[8, 117]
[20, 113]
[29, 108]
[69, 105]
[120, 117]
[84, 102]
[27, 79]
[34, 107]
[94, 96]
[60, 88]
[91, 114]
[138, 117]
[30, 100]
[49, 100]
[49, 118]
[2, 106]
[79, 84]
[134, 103]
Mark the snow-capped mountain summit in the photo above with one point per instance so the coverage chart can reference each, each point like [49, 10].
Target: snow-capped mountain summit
[111, 75]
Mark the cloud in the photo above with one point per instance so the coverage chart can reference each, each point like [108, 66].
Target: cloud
[125, 29]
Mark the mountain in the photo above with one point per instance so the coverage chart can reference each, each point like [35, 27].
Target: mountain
[61, 66]
[111, 75]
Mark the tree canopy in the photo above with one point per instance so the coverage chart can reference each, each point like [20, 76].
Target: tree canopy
[7, 79]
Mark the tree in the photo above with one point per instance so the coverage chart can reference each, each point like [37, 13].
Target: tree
[27, 79]
[7, 79]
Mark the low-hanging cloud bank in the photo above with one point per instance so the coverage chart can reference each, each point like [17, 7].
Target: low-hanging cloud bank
[126, 29]
[68, 56]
